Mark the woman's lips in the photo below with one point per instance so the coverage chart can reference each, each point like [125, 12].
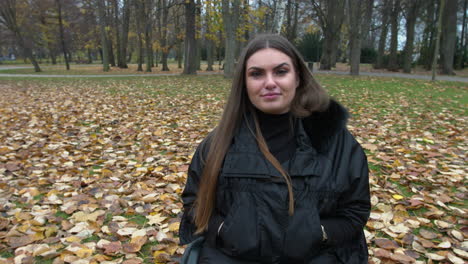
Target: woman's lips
[270, 96]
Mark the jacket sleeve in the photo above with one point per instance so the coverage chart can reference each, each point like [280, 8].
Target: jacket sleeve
[189, 195]
[353, 208]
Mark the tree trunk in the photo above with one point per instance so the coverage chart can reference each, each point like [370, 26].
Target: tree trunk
[139, 16]
[109, 22]
[140, 53]
[179, 55]
[190, 41]
[366, 40]
[209, 54]
[117, 25]
[53, 58]
[394, 19]
[148, 38]
[354, 9]
[164, 46]
[122, 60]
[449, 36]
[197, 35]
[230, 18]
[387, 4]
[104, 41]
[279, 16]
[411, 15]
[90, 58]
[439, 29]
[330, 15]
[430, 30]
[111, 52]
[178, 42]
[62, 34]
[462, 55]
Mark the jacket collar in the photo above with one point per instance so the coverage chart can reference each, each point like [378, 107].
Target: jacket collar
[321, 127]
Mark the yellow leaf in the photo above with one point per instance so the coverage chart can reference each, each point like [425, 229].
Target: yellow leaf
[174, 226]
[430, 141]
[84, 252]
[83, 217]
[73, 239]
[397, 197]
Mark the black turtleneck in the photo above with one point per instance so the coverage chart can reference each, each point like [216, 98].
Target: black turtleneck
[279, 134]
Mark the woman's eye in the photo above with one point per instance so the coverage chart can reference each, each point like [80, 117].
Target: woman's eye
[281, 72]
[255, 74]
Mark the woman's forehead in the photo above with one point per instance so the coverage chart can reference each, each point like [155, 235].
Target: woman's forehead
[268, 57]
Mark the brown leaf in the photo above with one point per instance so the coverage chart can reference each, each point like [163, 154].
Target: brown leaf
[386, 243]
[13, 166]
[427, 234]
[382, 253]
[4, 223]
[16, 242]
[400, 258]
[112, 247]
[133, 261]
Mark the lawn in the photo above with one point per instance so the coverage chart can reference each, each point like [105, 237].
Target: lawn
[91, 170]
[93, 69]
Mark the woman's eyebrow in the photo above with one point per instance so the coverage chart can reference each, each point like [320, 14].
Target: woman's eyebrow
[281, 65]
[276, 67]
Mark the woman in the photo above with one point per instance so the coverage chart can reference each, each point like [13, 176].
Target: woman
[280, 179]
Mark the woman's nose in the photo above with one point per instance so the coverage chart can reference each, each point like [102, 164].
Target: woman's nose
[270, 81]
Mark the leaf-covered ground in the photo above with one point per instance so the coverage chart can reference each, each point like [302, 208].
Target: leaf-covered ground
[91, 171]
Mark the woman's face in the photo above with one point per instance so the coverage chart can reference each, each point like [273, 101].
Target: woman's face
[271, 81]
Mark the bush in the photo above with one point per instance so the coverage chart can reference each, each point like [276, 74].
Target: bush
[310, 46]
[368, 55]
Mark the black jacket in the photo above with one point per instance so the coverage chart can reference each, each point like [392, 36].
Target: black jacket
[331, 188]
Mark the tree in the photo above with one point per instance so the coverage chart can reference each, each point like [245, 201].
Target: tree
[190, 41]
[213, 25]
[394, 19]
[385, 9]
[330, 15]
[354, 9]
[139, 24]
[9, 18]
[62, 34]
[449, 36]
[436, 50]
[412, 10]
[292, 20]
[230, 12]
[104, 38]
[366, 22]
[164, 45]
[148, 25]
[279, 16]
[429, 17]
[462, 53]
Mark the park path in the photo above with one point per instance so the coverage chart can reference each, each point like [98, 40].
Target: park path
[377, 74]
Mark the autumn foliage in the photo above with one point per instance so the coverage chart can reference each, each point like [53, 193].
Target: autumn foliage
[91, 170]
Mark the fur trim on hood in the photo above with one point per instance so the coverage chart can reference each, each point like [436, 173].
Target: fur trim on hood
[321, 127]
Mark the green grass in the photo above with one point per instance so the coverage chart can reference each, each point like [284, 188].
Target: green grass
[6, 254]
[42, 260]
[92, 238]
[137, 219]
[62, 215]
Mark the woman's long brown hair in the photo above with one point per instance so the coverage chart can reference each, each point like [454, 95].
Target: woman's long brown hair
[310, 97]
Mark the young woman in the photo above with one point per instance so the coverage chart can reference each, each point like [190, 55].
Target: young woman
[280, 179]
